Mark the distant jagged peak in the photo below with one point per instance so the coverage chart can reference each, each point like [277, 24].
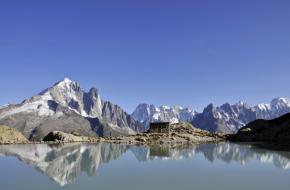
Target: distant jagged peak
[65, 80]
[94, 90]
[226, 105]
[209, 107]
[242, 103]
[146, 113]
[145, 105]
[263, 106]
[68, 84]
[162, 107]
[280, 100]
[65, 84]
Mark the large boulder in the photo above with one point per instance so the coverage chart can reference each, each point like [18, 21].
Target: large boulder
[58, 136]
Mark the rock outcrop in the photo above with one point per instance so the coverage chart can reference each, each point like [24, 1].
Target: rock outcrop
[9, 135]
[180, 133]
[58, 136]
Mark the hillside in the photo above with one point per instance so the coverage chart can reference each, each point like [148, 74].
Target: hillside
[276, 130]
[11, 136]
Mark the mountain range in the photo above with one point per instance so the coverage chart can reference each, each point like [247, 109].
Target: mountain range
[67, 107]
[226, 118]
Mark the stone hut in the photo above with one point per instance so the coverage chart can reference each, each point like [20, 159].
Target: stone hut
[159, 127]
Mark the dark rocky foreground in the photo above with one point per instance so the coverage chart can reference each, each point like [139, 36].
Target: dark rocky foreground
[266, 133]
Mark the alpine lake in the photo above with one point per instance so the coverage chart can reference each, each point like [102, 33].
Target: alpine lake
[119, 166]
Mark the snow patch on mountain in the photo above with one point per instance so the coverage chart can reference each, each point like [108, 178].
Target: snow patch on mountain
[37, 104]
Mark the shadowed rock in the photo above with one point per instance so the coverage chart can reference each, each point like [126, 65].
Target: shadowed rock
[267, 131]
[64, 137]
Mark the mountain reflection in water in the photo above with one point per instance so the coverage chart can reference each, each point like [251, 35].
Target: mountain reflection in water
[64, 163]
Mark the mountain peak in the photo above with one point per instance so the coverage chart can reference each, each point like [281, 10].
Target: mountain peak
[279, 100]
[209, 108]
[66, 81]
[241, 103]
[64, 86]
[94, 91]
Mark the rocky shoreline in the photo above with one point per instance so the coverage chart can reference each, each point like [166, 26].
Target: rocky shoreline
[259, 133]
[268, 134]
[181, 133]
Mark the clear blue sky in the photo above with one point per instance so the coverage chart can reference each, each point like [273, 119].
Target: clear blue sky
[185, 52]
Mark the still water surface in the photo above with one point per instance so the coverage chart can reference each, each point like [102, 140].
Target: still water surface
[114, 166]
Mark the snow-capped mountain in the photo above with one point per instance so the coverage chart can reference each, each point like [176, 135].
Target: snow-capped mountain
[66, 93]
[146, 113]
[229, 118]
[276, 108]
[225, 118]
[67, 107]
